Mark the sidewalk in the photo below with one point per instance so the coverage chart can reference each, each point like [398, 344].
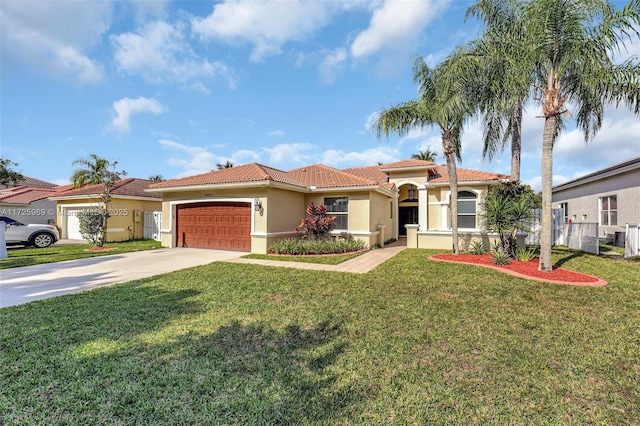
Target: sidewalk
[358, 265]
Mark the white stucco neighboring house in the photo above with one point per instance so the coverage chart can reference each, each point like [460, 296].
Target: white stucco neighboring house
[609, 197]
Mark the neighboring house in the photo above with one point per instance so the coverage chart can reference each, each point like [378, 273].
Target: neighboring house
[26, 201]
[129, 202]
[609, 197]
[247, 207]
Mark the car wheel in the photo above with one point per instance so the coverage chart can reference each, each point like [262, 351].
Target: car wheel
[42, 240]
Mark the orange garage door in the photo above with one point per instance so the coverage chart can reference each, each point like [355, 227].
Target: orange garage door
[222, 226]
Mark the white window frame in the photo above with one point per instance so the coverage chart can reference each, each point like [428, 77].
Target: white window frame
[565, 211]
[609, 198]
[475, 213]
[336, 214]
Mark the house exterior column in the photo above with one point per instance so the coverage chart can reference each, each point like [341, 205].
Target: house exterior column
[423, 209]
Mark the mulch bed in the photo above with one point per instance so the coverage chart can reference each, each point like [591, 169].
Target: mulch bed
[527, 270]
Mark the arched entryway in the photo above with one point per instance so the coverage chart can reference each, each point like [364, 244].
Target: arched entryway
[407, 207]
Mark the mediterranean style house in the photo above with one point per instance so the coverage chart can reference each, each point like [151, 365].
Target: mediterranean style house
[129, 202]
[247, 207]
[26, 201]
[609, 197]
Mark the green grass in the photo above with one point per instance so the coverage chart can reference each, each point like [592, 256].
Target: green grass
[325, 260]
[34, 256]
[411, 342]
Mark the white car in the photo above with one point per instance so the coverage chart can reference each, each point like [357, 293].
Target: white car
[40, 236]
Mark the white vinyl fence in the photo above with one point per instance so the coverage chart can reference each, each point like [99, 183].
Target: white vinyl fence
[535, 228]
[581, 236]
[152, 225]
[632, 241]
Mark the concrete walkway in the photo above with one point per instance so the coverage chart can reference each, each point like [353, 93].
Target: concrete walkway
[28, 283]
[359, 265]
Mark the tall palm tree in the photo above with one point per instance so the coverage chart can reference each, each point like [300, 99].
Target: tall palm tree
[96, 170]
[441, 104]
[565, 49]
[226, 165]
[500, 95]
[426, 155]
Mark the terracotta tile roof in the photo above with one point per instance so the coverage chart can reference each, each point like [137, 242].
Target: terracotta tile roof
[322, 176]
[373, 173]
[29, 181]
[440, 175]
[410, 163]
[125, 187]
[238, 174]
[23, 195]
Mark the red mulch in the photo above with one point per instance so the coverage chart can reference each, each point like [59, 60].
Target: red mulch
[524, 269]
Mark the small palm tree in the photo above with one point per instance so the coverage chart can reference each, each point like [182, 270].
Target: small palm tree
[157, 178]
[426, 155]
[226, 165]
[441, 103]
[98, 171]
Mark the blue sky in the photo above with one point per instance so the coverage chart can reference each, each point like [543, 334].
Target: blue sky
[175, 87]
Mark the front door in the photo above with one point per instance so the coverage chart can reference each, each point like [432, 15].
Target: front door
[407, 216]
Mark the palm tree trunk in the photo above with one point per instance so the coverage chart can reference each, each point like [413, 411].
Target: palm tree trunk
[546, 264]
[449, 150]
[516, 141]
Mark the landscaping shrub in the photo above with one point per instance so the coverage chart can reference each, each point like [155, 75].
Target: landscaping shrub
[324, 246]
[477, 247]
[91, 224]
[525, 254]
[501, 258]
[317, 224]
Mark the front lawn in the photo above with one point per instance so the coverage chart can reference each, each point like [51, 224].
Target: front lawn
[34, 256]
[411, 342]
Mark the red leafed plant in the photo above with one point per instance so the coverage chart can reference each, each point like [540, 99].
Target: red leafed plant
[317, 223]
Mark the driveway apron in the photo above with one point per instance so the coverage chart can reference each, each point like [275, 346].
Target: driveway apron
[28, 283]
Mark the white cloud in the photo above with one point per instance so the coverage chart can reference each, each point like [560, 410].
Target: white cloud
[126, 107]
[368, 157]
[331, 65]
[294, 153]
[265, 24]
[54, 37]
[395, 24]
[196, 159]
[159, 53]
[277, 133]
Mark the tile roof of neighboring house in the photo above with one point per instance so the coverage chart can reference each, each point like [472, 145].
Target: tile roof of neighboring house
[125, 187]
[322, 176]
[29, 181]
[464, 175]
[23, 195]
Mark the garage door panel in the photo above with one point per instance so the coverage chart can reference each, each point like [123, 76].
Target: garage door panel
[215, 225]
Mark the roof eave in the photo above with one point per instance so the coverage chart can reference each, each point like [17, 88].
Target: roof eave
[602, 174]
[466, 182]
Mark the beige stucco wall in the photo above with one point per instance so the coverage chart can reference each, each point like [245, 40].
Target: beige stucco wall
[438, 201]
[38, 212]
[584, 200]
[122, 225]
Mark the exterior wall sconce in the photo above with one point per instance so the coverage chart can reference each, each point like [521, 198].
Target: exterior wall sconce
[257, 204]
[411, 193]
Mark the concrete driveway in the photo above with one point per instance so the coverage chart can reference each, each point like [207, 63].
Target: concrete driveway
[28, 283]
